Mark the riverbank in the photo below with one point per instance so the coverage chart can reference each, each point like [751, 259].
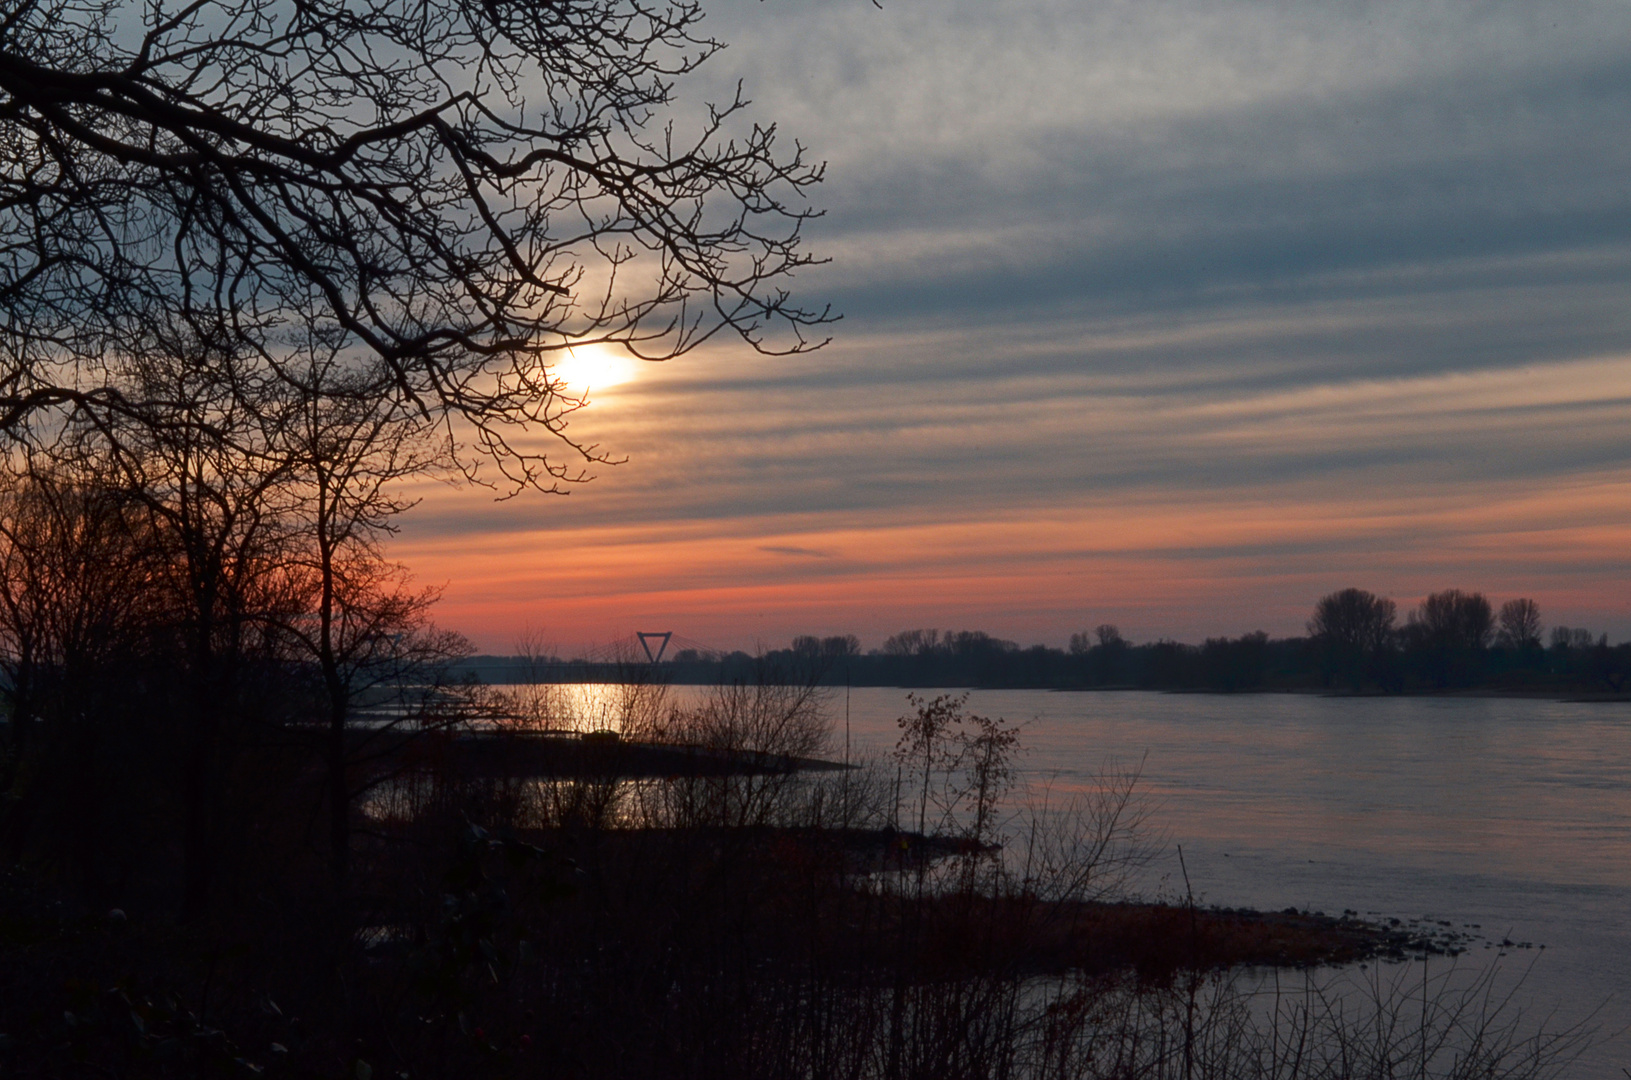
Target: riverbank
[1562, 696]
[86, 992]
[1156, 938]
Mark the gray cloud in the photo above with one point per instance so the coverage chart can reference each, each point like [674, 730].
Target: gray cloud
[994, 161]
[796, 552]
[1137, 253]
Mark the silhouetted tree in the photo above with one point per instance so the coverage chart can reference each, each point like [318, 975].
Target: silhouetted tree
[1457, 620]
[1520, 624]
[1608, 665]
[817, 658]
[1448, 635]
[202, 467]
[1569, 654]
[911, 643]
[841, 645]
[346, 450]
[457, 190]
[78, 618]
[976, 643]
[1563, 637]
[70, 574]
[253, 513]
[836, 647]
[1107, 658]
[1104, 635]
[1354, 618]
[1351, 628]
[436, 200]
[1169, 664]
[1236, 663]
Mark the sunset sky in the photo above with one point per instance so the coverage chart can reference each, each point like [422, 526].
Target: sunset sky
[1175, 315]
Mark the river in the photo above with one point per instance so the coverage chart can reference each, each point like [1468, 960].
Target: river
[1508, 819]
[1510, 815]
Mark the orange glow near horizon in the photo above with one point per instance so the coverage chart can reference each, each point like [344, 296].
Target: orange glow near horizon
[829, 494]
[1187, 568]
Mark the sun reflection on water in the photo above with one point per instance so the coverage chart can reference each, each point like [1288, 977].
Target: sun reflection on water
[626, 708]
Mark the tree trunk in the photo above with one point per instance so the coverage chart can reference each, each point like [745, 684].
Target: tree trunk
[198, 790]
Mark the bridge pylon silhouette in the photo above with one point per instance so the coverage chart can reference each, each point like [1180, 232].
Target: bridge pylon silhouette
[662, 637]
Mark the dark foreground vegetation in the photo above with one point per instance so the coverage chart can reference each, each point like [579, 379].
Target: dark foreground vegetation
[1455, 641]
[690, 897]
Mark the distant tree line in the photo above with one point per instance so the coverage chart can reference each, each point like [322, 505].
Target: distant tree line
[1455, 640]
[1355, 643]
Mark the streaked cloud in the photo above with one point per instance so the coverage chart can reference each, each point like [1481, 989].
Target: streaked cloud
[1176, 314]
[795, 552]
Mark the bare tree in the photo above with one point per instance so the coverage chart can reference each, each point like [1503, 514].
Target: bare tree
[215, 496]
[1520, 624]
[912, 643]
[1453, 619]
[458, 190]
[1353, 628]
[345, 449]
[1446, 637]
[75, 606]
[67, 566]
[1353, 618]
[1564, 637]
[266, 258]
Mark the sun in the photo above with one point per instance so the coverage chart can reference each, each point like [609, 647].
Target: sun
[593, 367]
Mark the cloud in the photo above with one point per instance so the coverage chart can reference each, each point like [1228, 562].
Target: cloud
[1186, 310]
[796, 552]
[995, 159]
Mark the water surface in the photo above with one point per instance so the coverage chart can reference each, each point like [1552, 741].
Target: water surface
[1511, 815]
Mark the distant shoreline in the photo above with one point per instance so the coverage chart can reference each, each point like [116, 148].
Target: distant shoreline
[1572, 668]
[1557, 695]
[507, 671]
